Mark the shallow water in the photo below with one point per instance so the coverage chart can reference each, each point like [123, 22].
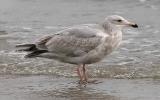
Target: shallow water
[55, 88]
[23, 21]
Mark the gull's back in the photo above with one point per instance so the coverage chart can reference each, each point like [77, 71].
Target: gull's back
[74, 41]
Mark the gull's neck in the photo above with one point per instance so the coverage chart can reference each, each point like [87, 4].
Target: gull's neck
[110, 28]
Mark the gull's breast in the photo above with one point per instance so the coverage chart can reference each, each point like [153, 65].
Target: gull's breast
[111, 43]
[117, 38]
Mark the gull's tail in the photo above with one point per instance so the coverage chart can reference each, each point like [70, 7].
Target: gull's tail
[32, 49]
[26, 47]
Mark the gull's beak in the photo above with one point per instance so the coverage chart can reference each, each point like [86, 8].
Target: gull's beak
[132, 24]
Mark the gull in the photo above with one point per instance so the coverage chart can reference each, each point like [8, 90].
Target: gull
[80, 45]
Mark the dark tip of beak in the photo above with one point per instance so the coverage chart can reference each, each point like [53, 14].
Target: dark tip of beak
[134, 26]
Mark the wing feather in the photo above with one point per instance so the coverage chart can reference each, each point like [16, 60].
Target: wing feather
[71, 42]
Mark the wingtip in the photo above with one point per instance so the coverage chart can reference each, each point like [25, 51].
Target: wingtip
[25, 45]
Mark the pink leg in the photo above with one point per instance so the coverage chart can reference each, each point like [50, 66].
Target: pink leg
[85, 76]
[80, 74]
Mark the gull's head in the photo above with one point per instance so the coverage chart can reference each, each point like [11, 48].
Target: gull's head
[120, 22]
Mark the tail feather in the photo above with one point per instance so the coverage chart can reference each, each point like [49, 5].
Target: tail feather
[35, 53]
[27, 47]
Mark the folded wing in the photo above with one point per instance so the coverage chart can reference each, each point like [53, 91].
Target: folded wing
[71, 42]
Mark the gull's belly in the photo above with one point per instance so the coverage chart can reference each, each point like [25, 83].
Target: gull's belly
[98, 55]
[104, 49]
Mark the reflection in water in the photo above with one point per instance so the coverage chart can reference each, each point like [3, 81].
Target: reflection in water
[56, 88]
[78, 94]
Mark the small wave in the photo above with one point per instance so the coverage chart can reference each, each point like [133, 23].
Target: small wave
[54, 27]
[142, 1]
[3, 32]
[36, 67]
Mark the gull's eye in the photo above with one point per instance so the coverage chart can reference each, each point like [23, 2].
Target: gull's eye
[119, 20]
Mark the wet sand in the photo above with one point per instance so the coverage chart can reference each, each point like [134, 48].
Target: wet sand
[45, 87]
